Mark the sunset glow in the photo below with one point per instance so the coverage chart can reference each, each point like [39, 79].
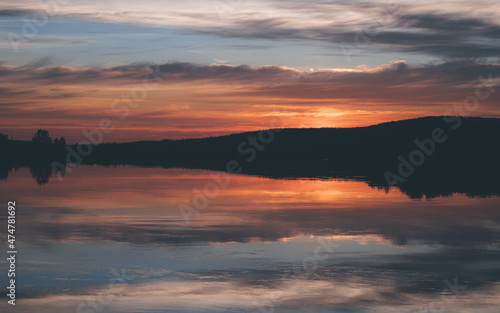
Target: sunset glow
[222, 66]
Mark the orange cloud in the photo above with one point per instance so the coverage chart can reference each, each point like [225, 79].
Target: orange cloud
[178, 100]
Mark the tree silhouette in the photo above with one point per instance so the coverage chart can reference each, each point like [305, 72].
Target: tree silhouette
[59, 143]
[5, 156]
[41, 172]
[4, 140]
[41, 138]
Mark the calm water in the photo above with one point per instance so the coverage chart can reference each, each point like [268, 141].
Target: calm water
[115, 240]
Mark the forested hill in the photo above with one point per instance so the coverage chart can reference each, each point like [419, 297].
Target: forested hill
[452, 152]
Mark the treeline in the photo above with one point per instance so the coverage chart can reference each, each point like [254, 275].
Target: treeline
[43, 139]
[424, 157]
[40, 140]
[37, 154]
[431, 156]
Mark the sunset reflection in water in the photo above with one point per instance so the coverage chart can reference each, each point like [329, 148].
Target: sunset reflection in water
[245, 250]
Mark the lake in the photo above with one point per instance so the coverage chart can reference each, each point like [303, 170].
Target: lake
[131, 239]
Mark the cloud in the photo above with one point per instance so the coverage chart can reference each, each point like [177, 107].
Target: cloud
[396, 81]
[41, 62]
[397, 73]
[240, 98]
[444, 36]
[16, 12]
[443, 22]
[8, 92]
[427, 28]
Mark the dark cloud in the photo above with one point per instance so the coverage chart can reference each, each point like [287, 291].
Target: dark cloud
[40, 62]
[445, 22]
[397, 83]
[398, 73]
[444, 36]
[8, 92]
[16, 12]
[398, 28]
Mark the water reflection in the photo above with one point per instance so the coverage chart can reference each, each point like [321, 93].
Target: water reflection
[424, 184]
[246, 248]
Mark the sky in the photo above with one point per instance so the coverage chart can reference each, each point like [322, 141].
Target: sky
[180, 69]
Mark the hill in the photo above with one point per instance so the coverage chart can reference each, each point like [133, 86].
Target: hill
[428, 156]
